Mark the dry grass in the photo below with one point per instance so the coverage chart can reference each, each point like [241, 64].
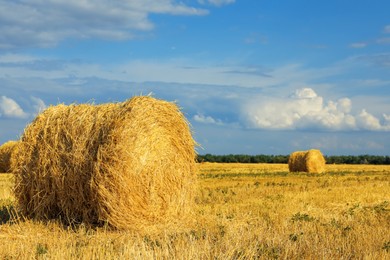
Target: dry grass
[128, 165]
[243, 211]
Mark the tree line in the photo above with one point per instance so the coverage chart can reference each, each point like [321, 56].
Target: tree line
[262, 158]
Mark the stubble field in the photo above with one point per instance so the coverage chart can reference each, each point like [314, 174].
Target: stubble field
[243, 211]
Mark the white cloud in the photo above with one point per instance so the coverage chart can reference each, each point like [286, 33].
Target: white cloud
[13, 58]
[10, 109]
[174, 70]
[188, 72]
[38, 105]
[385, 40]
[207, 120]
[180, 70]
[378, 59]
[387, 29]
[255, 38]
[358, 45]
[45, 23]
[304, 93]
[304, 109]
[387, 119]
[217, 2]
[371, 82]
[367, 121]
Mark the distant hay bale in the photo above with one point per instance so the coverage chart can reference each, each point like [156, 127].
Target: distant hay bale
[311, 161]
[6, 151]
[131, 164]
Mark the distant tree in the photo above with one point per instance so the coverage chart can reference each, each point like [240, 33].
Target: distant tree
[262, 158]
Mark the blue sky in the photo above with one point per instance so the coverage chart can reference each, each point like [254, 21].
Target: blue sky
[251, 76]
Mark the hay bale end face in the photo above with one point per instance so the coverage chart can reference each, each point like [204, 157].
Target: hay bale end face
[6, 151]
[311, 161]
[129, 164]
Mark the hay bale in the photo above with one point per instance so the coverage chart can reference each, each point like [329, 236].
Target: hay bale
[130, 164]
[311, 161]
[6, 151]
[296, 161]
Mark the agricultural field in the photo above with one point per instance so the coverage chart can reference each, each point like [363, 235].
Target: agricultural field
[242, 211]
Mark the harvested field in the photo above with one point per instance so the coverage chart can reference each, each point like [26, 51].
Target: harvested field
[243, 211]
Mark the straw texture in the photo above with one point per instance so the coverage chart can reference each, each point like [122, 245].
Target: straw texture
[311, 161]
[131, 164]
[6, 151]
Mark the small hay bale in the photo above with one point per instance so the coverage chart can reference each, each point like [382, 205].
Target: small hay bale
[311, 161]
[6, 151]
[130, 165]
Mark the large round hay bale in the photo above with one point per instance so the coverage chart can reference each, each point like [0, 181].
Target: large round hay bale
[6, 151]
[296, 161]
[131, 164]
[311, 161]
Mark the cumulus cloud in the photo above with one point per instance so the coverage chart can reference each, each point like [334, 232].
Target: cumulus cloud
[38, 105]
[45, 23]
[10, 109]
[386, 119]
[304, 109]
[368, 121]
[207, 119]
